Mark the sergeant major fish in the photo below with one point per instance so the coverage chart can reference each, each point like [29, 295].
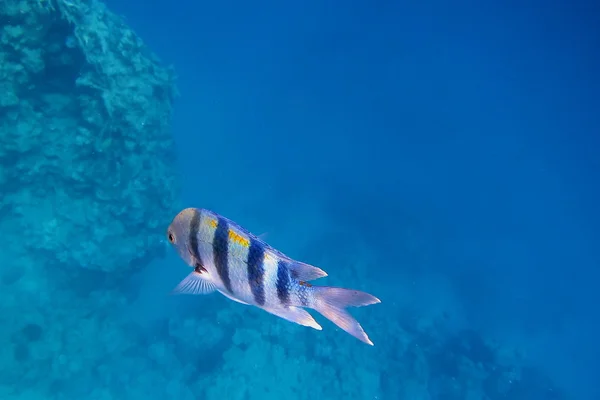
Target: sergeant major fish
[241, 266]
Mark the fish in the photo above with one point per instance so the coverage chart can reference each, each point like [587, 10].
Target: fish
[229, 259]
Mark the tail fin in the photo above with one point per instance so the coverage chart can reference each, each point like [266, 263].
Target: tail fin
[331, 303]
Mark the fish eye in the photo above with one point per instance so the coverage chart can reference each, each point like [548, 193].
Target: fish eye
[171, 237]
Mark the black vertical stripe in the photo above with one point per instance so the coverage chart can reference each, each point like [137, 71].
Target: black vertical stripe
[221, 250]
[283, 282]
[193, 238]
[256, 271]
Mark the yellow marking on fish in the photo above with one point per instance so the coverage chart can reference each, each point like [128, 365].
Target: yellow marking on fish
[239, 239]
[213, 223]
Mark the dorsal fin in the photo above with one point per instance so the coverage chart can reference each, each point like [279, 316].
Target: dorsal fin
[305, 272]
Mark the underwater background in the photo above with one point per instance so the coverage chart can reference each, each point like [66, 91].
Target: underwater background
[442, 156]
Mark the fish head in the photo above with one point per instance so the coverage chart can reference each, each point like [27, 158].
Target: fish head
[178, 234]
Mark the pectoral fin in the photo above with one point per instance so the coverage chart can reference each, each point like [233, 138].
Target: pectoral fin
[194, 284]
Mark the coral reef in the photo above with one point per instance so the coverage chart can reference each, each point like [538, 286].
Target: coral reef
[87, 156]
[87, 181]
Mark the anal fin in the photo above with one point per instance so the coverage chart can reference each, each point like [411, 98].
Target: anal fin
[296, 315]
[194, 284]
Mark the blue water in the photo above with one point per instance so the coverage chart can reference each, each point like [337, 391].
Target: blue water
[443, 157]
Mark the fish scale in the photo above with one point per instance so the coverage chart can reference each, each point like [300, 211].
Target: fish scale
[229, 259]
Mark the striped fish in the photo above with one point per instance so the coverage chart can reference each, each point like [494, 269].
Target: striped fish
[229, 259]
